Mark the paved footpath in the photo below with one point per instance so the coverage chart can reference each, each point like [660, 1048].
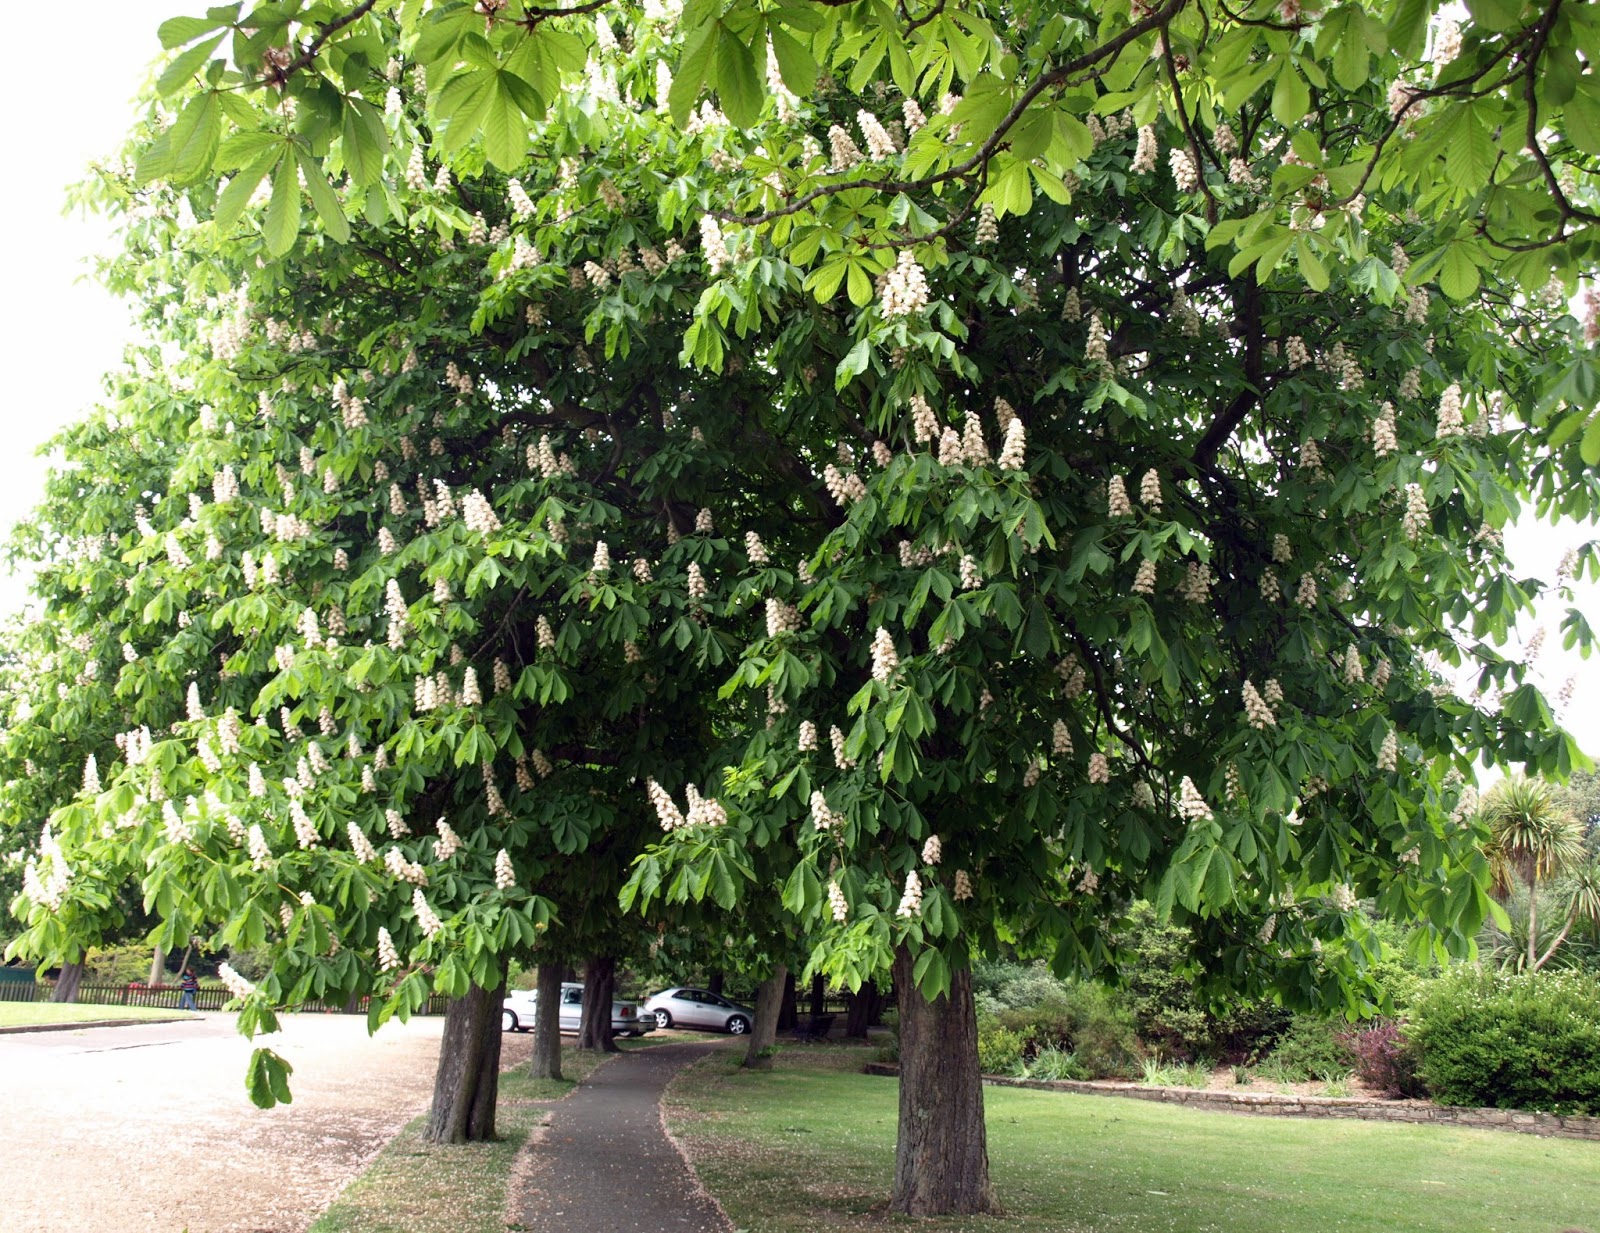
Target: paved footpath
[604, 1155]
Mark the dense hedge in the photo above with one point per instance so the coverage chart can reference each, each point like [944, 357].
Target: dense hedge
[1511, 1041]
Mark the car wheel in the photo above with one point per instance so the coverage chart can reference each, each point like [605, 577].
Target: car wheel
[738, 1025]
[663, 1019]
[508, 1022]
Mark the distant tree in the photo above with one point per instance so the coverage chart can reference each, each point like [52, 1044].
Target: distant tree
[1535, 846]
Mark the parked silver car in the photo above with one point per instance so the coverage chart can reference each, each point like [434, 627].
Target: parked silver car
[627, 1019]
[695, 1008]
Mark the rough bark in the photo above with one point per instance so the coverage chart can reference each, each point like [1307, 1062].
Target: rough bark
[67, 983]
[788, 1010]
[599, 984]
[764, 1032]
[547, 1024]
[941, 1163]
[718, 979]
[819, 995]
[467, 1080]
[864, 1010]
[158, 967]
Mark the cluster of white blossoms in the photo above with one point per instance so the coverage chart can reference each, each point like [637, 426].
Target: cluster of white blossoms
[91, 776]
[836, 739]
[755, 549]
[1305, 593]
[505, 877]
[478, 514]
[1295, 352]
[697, 583]
[1191, 805]
[962, 890]
[823, 816]
[427, 920]
[403, 870]
[1196, 584]
[305, 830]
[1256, 710]
[1099, 768]
[1354, 674]
[1095, 349]
[1030, 776]
[1144, 155]
[1384, 440]
[1311, 456]
[1380, 674]
[448, 843]
[1117, 503]
[842, 149]
[971, 576]
[45, 878]
[235, 984]
[1450, 423]
[703, 810]
[924, 422]
[843, 486]
[1343, 898]
[1144, 579]
[260, 851]
[360, 845]
[1415, 519]
[388, 957]
[905, 288]
[1060, 738]
[1389, 753]
[1013, 449]
[544, 633]
[1073, 676]
[837, 903]
[911, 900]
[988, 230]
[974, 449]
[1184, 173]
[541, 764]
[224, 486]
[396, 824]
[880, 143]
[885, 660]
[666, 808]
[712, 245]
[782, 618]
[808, 736]
[932, 850]
[1150, 489]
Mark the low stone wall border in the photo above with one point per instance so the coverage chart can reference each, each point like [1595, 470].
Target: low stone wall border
[1279, 1104]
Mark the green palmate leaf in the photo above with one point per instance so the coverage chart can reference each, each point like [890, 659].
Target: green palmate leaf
[796, 65]
[1589, 448]
[736, 80]
[187, 150]
[282, 224]
[232, 201]
[1458, 276]
[183, 68]
[505, 134]
[267, 1079]
[365, 142]
[324, 198]
[694, 68]
[1291, 96]
[176, 31]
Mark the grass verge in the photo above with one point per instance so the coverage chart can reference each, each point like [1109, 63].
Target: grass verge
[39, 1014]
[417, 1187]
[809, 1148]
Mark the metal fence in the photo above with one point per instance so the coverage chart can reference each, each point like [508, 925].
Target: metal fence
[166, 997]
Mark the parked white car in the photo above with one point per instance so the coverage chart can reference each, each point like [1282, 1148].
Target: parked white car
[695, 1008]
[627, 1019]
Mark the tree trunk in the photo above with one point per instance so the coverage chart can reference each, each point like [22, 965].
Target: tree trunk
[547, 1023]
[764, 1033]
[865, 1009]
[67, 983]
[1533, 923]
[467, 1080]
[599, 983]
[158, 968]
[718, 979]
[788, 1013]
[819, 995]
[941, 1165]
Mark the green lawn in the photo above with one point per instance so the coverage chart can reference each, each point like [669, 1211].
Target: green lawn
[809, 1148]
[33, 1014]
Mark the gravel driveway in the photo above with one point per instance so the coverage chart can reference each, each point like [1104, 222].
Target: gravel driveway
[149, 1128]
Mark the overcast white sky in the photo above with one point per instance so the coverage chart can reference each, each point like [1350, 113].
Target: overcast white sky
[59, 332]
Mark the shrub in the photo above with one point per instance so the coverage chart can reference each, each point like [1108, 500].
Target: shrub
[1511, 1041]
[1384, 1059]
[1311, 1048]
[1054, 1063]
[1158, 1073]
[999, 1050]
[1086, 1020]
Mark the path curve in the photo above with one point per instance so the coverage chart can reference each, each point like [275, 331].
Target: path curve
[604, 1156]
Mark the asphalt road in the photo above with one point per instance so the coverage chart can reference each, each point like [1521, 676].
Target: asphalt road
[148, 1127]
